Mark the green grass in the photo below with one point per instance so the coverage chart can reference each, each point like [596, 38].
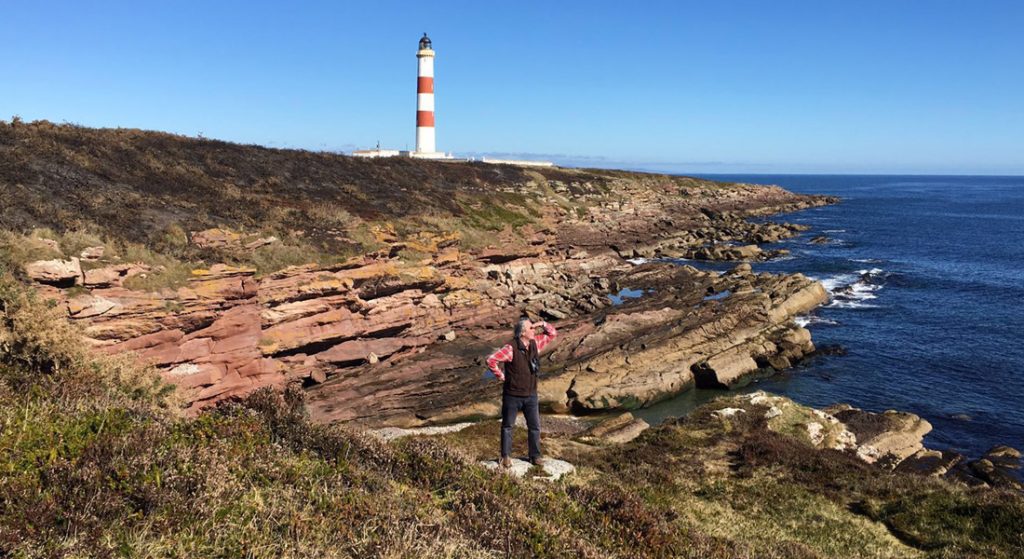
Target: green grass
[980, 521]
[492, 216]
[22, 249]
[166, 271]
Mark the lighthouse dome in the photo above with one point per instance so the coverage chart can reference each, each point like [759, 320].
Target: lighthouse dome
[425, 42]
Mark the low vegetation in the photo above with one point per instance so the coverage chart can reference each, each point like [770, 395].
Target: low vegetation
[95, 462]
[151, 189]
[146, 193]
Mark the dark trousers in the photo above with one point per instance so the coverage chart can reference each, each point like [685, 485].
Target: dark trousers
[510, 406]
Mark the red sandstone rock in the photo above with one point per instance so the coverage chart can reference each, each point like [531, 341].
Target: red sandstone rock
[360, 350]
[216, 238]
[55, 271]
[88, 306]
[92, 253]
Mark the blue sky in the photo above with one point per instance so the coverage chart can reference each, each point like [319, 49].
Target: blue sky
[902, 86]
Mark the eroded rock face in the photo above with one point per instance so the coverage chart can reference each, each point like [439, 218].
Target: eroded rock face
[112, 276]
[623, 357]
[665, 347]
[227, 332]
[382, 340]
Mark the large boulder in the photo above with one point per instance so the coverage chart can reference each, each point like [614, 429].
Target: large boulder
[64, 273]
[887, 438]
[109, 276]
[616, 430]
[1000, 467]
[929, 462]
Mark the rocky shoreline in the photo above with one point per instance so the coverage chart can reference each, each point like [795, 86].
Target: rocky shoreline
[385, 340]
[892, 440]
[446, 257]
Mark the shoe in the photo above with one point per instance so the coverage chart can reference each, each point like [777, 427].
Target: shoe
[505, 462]
[537, 461]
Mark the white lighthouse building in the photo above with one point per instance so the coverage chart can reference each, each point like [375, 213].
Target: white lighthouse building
[426, 139]
[425, 134]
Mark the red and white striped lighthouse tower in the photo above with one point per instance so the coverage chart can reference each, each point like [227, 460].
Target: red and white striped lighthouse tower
[425, 139]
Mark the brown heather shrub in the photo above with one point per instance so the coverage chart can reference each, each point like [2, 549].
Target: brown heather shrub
[38, 346]
[139, 186]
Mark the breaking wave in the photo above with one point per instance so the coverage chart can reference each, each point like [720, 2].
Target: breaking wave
[807, 320]
[854, 290]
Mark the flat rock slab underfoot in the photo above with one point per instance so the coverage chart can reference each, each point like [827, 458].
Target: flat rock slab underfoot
[554, 468]
[392, 433]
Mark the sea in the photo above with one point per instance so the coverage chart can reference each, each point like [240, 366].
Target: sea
[926, 276]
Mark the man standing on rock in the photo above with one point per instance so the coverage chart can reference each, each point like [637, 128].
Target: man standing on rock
[521, 360]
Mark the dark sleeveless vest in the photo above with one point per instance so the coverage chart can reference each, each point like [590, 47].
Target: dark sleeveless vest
[521, 372]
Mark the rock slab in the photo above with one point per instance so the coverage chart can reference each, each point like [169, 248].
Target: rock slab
[553, 468]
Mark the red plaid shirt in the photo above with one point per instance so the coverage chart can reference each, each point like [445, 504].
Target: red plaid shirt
[504, 355]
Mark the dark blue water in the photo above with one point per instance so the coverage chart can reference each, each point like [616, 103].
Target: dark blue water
[927, 274]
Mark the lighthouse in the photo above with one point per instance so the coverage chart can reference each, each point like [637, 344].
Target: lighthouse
[425, 139]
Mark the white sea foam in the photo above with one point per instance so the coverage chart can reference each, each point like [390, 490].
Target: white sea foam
[860, 292]
[637, 261]
[807, 320]
[835, 282]
[851, 291]
[833, 231]
[849, 304]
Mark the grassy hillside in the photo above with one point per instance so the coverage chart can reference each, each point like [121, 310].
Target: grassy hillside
[144, 194]
[94, 462]
[152, 189]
